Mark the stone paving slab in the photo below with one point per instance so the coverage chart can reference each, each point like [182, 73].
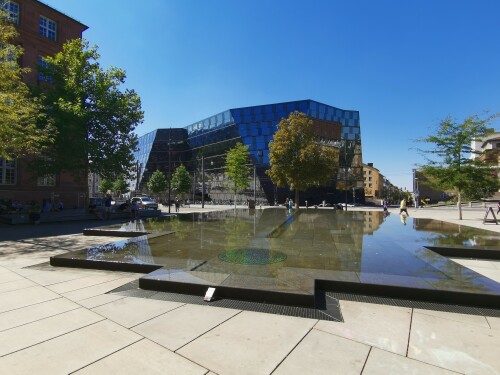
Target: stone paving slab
[83, 282]
[453, 345]
[322, 353]
[69, 352]
[381, 362]
[16, 285]
[44, 329]
[29, 296]
[248, 343]
[143, 357]
[131, 311]
[170, 330]
[99, 300]
[96, 290]
[385, 327]
[28, 314]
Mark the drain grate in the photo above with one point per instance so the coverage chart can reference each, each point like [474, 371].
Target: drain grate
[459, 309]
[330, 311]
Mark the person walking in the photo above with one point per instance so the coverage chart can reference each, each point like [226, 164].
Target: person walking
[403, 207]
[177, 204]
[107, 206]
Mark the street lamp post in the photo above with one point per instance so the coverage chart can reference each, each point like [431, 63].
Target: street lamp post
[169, 172]
[202, 181]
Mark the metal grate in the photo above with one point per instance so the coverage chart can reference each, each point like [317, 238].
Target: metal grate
[459, 309]
[330, 311]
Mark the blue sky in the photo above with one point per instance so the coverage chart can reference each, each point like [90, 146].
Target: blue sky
[404, 65]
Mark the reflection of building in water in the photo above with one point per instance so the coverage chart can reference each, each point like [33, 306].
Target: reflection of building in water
[372, 221]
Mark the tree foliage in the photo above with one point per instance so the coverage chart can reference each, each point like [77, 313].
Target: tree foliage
[450, 166]
[24, 129]
[158, 183]
[236, 167]
[105, 185]
[181, 180]
[296, 157]
[94, 117]
[120, 186]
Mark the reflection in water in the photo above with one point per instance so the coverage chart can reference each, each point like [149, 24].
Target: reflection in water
[272, 243]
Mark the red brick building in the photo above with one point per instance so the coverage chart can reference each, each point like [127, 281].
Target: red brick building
[42, 31]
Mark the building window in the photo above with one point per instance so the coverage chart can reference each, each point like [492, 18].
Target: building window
[43, 64]
[7, 172]
[47, 28]
[12, 10]
[48, 180]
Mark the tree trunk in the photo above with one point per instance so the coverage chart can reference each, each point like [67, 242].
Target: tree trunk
[235, 199]
[459, 205]
[296, 199]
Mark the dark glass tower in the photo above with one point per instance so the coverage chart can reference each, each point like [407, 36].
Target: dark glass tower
[210, 139]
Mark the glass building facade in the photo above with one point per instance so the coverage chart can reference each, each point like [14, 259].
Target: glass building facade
[210, 138]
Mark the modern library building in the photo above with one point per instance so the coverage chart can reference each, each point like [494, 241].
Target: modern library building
[202, 146]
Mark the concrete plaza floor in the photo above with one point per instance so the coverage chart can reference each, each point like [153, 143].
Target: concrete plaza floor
[61, 321]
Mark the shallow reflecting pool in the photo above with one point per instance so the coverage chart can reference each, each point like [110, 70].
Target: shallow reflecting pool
[275, 250]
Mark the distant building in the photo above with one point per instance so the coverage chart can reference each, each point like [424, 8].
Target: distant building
[490, 148]
[373, 182]
[202, 146]
[42, 31]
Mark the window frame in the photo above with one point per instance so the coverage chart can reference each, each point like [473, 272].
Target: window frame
[45, 30]
[47, 180]
[5, 166]
[14, 15]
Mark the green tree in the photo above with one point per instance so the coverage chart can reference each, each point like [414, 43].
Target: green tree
[181, 180]
[24, 129]
[236, 168]
[95, 119]
[296, 157]
[451, 168]
[105, 185]
[120, 186]
[158, 183]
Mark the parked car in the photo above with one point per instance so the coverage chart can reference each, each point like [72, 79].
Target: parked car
[145, 202]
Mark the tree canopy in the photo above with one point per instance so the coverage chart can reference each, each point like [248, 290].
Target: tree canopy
[120, 186]
[181, 180]
[296, 157]
[450, 166]
[94, 118]
[158, 183]
[24, 129]
[236, 167]
[105, 185]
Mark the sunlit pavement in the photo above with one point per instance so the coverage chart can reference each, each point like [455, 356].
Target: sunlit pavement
[60, 321]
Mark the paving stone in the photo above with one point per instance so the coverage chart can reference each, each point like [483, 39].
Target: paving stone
[385, 327]
[29, 296]
[170, 329]
[248, 343]
[320, 352]
[16, 285]
[143, 357]
[70, 352]
[83, 282]
[457, 346]
[464, 318]
[33, 333]
[99, 300]
[28, 314]
[381, 362]
[95, 290]
[131, 311]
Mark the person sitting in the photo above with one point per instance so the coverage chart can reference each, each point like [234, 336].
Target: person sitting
[59, 206]
[34, 212]
[47, 206]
